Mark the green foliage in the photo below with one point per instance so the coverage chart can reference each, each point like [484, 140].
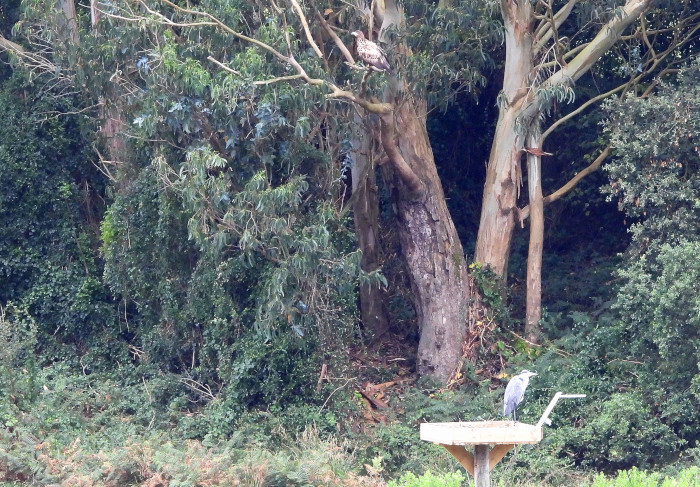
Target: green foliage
[655, 171]
[624, 432]
[638, 478]
[449, 48]
[428, 479]
[49, 196]
[492, 291]
[655, 178]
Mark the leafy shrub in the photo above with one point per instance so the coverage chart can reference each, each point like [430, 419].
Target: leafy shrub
[428, 479]
[637, 478]
[624, 433]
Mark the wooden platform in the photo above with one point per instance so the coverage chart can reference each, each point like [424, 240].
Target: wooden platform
[503, 435]
[481, 433]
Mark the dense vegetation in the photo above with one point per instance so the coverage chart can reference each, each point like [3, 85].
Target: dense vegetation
[180, 295]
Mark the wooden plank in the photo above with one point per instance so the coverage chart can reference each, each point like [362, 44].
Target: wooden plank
[462, 456]
[481, 433]
[497, 454]
[482, 475]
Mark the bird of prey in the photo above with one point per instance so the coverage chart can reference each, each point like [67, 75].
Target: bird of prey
[371, 53]
[515, 391]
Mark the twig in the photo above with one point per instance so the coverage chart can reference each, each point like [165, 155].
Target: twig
[347, 381]
[224, 67]
[145, 386]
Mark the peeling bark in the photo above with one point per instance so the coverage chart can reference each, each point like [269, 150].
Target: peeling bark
[432, 249]
[503, 175]
[521, 107]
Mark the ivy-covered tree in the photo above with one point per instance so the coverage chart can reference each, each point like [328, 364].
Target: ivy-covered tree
[50, 206]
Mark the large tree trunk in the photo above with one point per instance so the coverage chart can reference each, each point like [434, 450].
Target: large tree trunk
[438, 272]
[503, 175]
[443, 292]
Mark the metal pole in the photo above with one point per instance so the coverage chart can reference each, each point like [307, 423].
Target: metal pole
[482, 476]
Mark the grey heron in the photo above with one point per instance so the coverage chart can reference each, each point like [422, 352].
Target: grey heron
[515, 390]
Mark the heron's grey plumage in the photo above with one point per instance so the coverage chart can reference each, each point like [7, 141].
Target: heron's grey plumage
[515, 391]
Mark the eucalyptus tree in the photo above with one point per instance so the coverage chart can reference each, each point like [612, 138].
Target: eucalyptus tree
[244, 109]
[550, 45]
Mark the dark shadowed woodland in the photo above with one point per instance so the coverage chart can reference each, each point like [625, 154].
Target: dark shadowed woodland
[233, 253]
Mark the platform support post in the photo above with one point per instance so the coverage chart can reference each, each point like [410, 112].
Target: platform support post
[482, 477]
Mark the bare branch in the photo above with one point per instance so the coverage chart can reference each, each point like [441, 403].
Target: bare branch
[224, 67]
[336, 39]
[304, 23]
[583, 106]
[551, 25]
[8, 45]
[606, 37]
[376, 108]
[650, 65]
[228, 29]
[278, 79]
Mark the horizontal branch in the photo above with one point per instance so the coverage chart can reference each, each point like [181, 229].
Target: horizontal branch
[372, 107]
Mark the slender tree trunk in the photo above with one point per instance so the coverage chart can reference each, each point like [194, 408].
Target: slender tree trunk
[365, 206]
[533, 303]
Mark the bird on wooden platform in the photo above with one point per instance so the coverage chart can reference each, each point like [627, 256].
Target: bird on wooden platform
[515, 391]
[371, 53]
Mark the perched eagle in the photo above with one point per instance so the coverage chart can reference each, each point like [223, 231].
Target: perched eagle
[370, 53]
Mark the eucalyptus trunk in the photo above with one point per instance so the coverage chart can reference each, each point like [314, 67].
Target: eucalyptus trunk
[365, 207]
[438, 271]
[533, 300]
[521, 108]
[441, 287]
[504, 171]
